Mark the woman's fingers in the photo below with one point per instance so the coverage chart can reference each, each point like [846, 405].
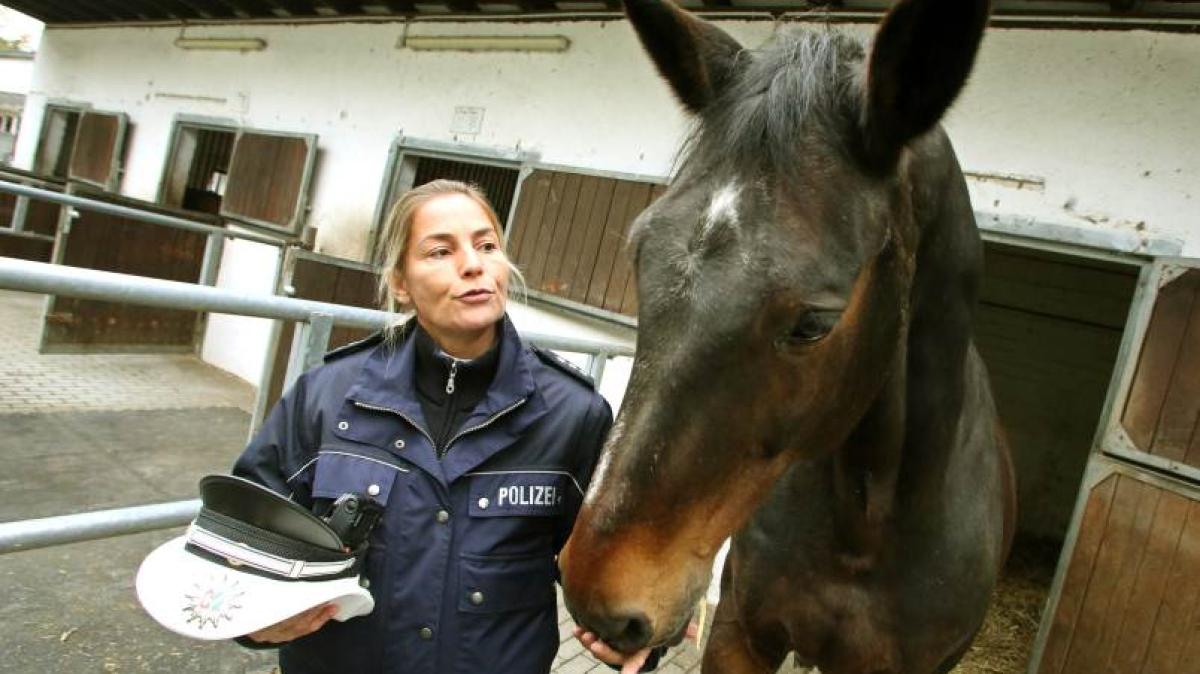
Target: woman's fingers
[299, 625]
[318, 621]
[608, 655]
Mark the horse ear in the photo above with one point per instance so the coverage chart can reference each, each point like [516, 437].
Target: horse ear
[922, 56]
[694, 56]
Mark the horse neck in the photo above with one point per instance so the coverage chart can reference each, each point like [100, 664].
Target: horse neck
[895, 459]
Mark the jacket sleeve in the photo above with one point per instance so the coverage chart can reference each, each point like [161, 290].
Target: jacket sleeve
[280, 451]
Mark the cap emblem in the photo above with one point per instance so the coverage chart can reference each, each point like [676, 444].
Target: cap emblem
[212, 602]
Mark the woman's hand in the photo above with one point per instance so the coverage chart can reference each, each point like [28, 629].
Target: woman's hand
[299, 625]
[630, 664]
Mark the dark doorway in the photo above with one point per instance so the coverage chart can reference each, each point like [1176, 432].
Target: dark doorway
[198, 168]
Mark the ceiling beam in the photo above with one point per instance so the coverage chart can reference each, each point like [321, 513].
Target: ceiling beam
[255, 8]
[100, 10]
[297, 7]
[400, 6]
[212, 8]
[346, 7]
[52, 11]
[173, 9]
[1125, 6]
[146, 10]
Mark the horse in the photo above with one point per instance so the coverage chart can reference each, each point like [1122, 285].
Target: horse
[805, 378]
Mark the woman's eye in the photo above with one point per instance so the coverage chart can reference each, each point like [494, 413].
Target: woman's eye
[811, 326]
[438, 253]
[489, 247]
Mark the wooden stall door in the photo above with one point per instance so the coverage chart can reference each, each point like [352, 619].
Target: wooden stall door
[1126, 597]
[312, 276]
[119, 244]
[568, 235]
[34, 239]
[268, 181]
[99, 142]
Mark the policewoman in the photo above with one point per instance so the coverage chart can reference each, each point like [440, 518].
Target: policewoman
[478, 447]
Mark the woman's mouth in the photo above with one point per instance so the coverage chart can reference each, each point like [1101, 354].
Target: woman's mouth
[477, 296]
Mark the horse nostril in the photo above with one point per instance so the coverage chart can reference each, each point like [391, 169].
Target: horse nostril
[627, 633]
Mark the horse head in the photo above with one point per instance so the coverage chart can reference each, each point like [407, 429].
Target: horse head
[775, 278]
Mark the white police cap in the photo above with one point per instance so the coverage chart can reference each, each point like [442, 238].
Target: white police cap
[250, 559]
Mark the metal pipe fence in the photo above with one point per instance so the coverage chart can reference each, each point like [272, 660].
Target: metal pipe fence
[133, 213]
[316, 318]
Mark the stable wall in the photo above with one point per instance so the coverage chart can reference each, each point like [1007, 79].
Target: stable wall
[1093, 129]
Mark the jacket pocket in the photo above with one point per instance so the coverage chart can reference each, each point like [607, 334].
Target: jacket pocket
[507, 622]
[341, 472]
[500, 584]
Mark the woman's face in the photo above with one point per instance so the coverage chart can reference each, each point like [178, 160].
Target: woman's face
[455, 274]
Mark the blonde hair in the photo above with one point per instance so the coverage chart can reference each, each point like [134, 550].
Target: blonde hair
[399, 226]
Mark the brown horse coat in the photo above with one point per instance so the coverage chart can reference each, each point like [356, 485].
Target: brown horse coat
[805, 377]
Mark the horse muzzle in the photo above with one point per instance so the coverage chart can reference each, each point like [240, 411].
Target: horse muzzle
[629, 605]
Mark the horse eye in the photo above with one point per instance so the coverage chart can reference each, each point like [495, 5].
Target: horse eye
[812, 326]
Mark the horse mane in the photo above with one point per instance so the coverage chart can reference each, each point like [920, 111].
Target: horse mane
[802, 77]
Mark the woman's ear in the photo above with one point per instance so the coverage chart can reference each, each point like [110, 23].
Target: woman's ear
[398, 287]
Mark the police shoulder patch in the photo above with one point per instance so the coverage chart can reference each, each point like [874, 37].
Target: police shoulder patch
[354, 347]
[559, 363]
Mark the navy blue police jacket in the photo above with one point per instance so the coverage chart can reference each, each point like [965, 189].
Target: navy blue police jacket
[462, 563]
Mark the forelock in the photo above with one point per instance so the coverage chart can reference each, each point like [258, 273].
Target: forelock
[802, 77]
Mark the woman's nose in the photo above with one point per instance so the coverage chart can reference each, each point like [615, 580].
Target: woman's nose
[472, 263]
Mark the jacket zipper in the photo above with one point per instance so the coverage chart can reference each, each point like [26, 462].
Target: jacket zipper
[450, 380]
[400, 414]
[487, 422]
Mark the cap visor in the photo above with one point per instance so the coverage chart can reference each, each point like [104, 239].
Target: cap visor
[202, 599]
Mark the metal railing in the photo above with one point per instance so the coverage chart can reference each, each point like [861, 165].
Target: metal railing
[214, 245]
[67, 199]
[316, 319]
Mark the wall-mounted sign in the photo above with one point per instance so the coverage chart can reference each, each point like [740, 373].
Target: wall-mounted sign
[466, 120]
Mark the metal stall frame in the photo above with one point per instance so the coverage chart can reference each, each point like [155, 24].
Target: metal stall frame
[214, 245]
[404, 147]
[1111, 451]
[562, 302]
[223, 124]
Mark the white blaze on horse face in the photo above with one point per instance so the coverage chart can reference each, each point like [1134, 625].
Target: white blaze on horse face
[723, 209]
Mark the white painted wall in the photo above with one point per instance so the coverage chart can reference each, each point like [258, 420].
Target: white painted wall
[239, 344]
[1106, 122]
[1109, 120]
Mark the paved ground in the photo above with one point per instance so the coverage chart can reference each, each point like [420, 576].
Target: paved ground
[33, 383]
[83, 432]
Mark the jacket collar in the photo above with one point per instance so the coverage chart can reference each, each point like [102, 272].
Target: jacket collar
[436, 369]
[387, 381]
